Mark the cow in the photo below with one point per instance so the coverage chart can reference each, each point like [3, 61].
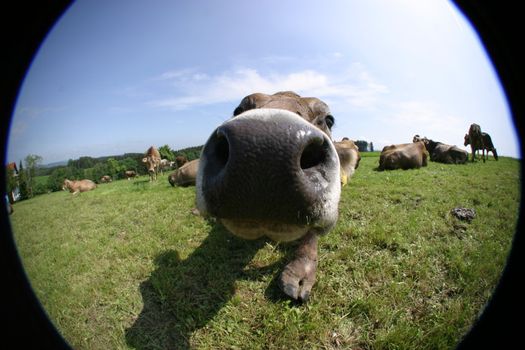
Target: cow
[152, 161]
[403, 156]
[130, 174]
[475, 139]
[443, 153]
[349, 158]
[186, 175]
[487, 144]
[272, 170]
[76, 186]
[164, 164]
[180, 161]
[105, 179]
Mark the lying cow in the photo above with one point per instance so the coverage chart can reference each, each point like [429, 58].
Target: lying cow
[272, 170]
[442, 153]
[403, 156]
[152, 161]
[105, 179]
[76, 186]
[130, 174]
[349, 158]
[487, 144]
[186, 175]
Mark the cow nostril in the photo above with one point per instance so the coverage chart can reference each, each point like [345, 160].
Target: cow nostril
[220, 151]
[314, 154]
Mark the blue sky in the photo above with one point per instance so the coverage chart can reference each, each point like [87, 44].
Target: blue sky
[119, 76]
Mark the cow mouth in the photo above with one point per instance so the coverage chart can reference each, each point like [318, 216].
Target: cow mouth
[279, 232]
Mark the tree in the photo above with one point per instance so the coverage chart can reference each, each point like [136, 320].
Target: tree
[362, 145]
[371, 147]
[114, 167]
[56, 178]
[32, 161]
[166, 153]
[22, 182]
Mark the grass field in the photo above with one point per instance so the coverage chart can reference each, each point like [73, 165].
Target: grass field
[129, 266]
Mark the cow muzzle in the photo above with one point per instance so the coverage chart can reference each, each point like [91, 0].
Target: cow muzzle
[269, 172]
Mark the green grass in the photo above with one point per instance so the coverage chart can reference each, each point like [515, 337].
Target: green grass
[129, 266]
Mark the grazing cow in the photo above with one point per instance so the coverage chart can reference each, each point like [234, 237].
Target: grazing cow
[442, 153]
[487, 144]
[180, 160]
[130, 174]
[186, 175]
[475, 139]
[75, 186]
[349, 158]
[152, 161]
[272, 170]
[403, 156]
[105, 179]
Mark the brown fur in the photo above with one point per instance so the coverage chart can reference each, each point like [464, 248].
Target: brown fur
[311, 109]
[475, 139]
[349, 157]
[180, 161]
[76, 186]
[152, 161]
[185, 175]
[403, 156]
[130, 174]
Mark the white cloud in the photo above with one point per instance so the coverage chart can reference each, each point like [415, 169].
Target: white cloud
[354, 86]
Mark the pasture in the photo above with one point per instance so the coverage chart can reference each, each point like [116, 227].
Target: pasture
[129, 266]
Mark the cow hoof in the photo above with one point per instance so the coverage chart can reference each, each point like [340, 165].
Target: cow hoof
[298, 278]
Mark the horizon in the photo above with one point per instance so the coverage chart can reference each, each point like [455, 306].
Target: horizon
[118, 77]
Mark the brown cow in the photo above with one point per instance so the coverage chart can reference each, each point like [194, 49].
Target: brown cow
[180, 161]
[403, 156]
[487, 144]
[272, 170]
[186, 175]
[442, 153]
[152, 161]
[105, 179]
[130, 174]
[76, 186]
[475, 139]
[349, 158]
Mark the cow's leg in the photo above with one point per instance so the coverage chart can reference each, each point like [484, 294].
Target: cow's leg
[298, 276]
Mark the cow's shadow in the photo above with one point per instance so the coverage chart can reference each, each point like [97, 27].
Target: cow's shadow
[182, 296]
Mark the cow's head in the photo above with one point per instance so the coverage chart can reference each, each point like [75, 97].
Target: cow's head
[272, 169]
[150, 164]
[65, 185]
[466, 140]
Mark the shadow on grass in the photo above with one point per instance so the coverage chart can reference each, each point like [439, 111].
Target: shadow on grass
[182, 296]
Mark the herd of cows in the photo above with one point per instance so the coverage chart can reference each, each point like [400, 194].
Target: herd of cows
[273, 170]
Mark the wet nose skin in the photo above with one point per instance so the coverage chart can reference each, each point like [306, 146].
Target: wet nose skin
[269, 165]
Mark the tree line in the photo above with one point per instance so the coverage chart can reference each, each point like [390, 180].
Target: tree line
[34, 179]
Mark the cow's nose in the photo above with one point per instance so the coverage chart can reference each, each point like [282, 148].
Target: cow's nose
[267, 164]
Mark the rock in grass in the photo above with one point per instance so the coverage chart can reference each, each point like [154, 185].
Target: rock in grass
[464, 213]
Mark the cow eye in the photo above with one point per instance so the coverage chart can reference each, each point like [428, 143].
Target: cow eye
[329, 120]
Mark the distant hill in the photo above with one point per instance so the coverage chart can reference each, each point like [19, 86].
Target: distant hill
[54, 164]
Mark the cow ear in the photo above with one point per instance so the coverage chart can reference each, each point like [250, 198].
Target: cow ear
[144, 160]
[256, 100]
[246, 104]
